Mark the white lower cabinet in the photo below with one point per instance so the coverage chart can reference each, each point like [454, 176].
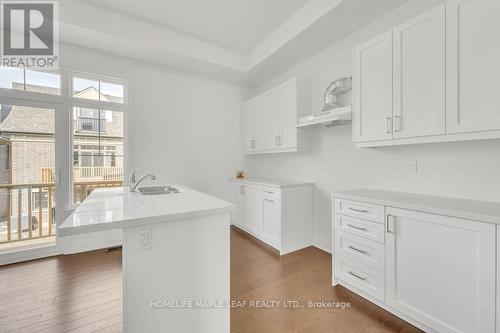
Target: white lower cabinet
[270, 210]
[441, 270]
[433, 267]
[276, 213]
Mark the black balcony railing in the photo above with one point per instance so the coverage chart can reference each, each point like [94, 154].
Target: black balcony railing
[91, 125]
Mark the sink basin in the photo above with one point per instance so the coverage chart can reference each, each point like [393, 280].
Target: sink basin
[155, 190]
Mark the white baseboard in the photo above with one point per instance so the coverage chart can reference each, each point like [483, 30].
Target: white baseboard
[29, 254]
[322, 247]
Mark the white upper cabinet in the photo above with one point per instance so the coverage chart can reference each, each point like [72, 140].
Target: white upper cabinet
[419, 75]
[289, 102]
[444, 67]
[473, 65]
[373, 89]
[270, 121]
[249, 119]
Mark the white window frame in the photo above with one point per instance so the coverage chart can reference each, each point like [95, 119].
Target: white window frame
[102, 105]
[63, 106]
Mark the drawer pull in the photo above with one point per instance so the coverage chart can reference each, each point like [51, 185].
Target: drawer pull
[357, 250]
[269, 200]
[358, 228]
[269, 192]
[364, 211]
[357, 276]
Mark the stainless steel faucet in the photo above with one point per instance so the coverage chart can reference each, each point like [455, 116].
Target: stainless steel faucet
[133, 183]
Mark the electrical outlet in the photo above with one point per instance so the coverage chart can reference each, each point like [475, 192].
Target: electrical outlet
[413, 167]
[145, 241]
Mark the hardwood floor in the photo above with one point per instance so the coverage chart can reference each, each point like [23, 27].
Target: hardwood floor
[82, 293]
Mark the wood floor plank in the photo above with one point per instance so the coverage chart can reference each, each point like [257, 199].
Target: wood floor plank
[82, 293]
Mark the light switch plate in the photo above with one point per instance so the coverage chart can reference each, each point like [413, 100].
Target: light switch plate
[145, 239]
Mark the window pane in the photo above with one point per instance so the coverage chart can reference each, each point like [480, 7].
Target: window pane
[27, 154]
[11, 78]
[97, 150]
[112, 92]
[97, 90]
[47, 83]
[83, 88]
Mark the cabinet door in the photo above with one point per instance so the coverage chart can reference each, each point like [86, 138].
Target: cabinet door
[249, 125]
[473, 65]
[289, 102]
[273, 118]
[251, 219]
[261, 123]
[441, 270]
[373, 89]
[271, 221]
[419, 76]
[237, 195]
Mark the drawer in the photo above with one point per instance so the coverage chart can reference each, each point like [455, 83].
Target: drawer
[361, 250]
[271, 192]
[363, 228]
[366, 279]
[362, 210]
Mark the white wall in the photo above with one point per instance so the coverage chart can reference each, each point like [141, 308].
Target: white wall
[466, 169]
[183, 128]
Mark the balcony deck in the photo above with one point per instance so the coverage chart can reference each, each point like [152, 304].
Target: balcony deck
[37, 201]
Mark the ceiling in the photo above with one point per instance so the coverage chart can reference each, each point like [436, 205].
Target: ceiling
[237, 25]
[246, 42]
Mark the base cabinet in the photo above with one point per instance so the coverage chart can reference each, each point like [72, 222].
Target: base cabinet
[435, 270]
[441, 270]
[280, 217]
[270, 212]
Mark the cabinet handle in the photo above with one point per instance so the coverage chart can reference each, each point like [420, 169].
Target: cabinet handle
[252, 144]
[242, 190]
[269, 200]
[388, 125]
[277, 140]
[355, 227]
[357, 250]
[390, 224]
[357, 276]
[269, 192]
[397, 123]
[364, 211]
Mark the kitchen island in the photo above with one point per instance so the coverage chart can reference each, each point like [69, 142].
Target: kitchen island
[175, 256]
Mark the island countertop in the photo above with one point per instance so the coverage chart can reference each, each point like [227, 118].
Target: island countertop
[111, 208]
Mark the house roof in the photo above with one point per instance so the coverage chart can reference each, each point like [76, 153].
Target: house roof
[23, 119]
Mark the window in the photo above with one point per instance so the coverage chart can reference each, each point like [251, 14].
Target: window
[28, 80]
[32, 103]
[35, 200]
[97, 90]
[97, 149]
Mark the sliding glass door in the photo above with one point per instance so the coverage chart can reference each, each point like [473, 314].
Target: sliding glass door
[27, 174]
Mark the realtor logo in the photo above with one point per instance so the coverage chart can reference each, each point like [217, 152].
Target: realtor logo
[29, 34]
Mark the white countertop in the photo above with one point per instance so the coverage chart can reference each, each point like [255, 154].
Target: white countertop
[485, 211]
[278, 183]
[111, 208]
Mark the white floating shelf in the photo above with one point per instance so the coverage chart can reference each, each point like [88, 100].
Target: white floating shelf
[334, 117]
